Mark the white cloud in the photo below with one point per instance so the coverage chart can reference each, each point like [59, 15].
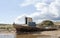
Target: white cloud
[43, 9]
[40, 6]
[27, 2]
[53, 10]
[20, 19]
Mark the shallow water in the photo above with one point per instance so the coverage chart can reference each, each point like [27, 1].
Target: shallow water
[7, 35]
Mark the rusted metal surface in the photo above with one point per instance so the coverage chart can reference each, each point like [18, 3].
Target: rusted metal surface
[28, 29]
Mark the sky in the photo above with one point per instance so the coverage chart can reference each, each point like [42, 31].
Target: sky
[15, 10]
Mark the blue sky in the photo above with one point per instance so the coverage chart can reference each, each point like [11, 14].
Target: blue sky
[13, 10]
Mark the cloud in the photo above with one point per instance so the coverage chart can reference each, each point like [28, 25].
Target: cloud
[27, 2]
[45, 9]
[53, 10]
[40, 6]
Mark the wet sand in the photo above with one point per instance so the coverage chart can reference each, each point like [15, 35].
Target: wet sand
[32, 36]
